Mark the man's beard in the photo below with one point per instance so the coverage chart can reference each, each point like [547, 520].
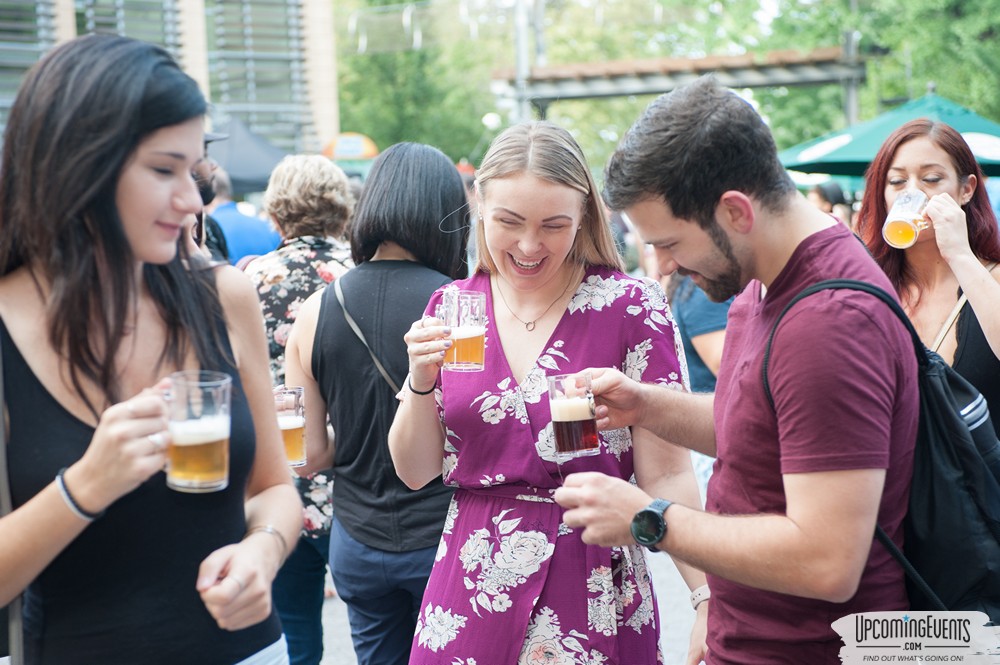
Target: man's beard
[730, 282]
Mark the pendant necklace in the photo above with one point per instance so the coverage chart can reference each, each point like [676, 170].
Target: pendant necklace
[530, 325]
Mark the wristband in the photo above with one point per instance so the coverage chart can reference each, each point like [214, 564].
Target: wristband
[409, 383]
[700, 595]
[71, 503]
[267, 528]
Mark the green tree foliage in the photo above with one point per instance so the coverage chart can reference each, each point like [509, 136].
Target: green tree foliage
[439, 93]
[435, 94]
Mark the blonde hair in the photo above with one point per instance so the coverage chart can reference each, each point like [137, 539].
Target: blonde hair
[308, 195]
[549, 152]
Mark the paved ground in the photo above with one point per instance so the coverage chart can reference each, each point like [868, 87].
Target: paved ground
[672, 596]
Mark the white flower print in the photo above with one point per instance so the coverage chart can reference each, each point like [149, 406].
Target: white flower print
[450, 460]
[438, 627]
[601, 615]
[546, 444]
[617, 441]
[637, 360]
[507, 400]
[501, 603]
[523, 552]
[653, 305]
[596, 293]
[545, 644]
[504, 559]
[643, 614]
[493, 416]
[535, 384]
[442, 550]
[476, 550]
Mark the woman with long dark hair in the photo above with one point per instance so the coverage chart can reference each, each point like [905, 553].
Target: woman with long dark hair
[408, 238]
[952, 264]
[99, 300]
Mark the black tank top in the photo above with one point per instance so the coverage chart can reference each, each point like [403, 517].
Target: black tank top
[372, 503]
[123, 592]
[975, 360]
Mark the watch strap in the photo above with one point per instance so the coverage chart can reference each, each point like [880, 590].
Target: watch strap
[700, 595]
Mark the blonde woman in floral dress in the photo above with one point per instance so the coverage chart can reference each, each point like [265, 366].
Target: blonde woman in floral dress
[511, 582]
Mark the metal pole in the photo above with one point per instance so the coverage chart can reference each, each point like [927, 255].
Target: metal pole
[851, 84]
[851, 39]
[522, 60]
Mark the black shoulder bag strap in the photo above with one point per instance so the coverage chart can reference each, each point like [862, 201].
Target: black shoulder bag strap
[14, 620]
[357, 331]
[923, 363]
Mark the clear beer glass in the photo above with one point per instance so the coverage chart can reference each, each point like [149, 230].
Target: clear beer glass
[465, 313]
[573, 419]
[288, 401]
[198, 453]
[905, 219]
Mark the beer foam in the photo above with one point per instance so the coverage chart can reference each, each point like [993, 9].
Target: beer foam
[464, 332]
[202, 430]
[570, 409]
[291, 422]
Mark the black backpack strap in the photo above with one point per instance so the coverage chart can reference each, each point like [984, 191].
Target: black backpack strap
[923, 362]
[911, 572]
[855, 285]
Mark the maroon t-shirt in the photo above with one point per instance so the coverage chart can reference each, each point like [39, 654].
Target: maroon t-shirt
[843, 376]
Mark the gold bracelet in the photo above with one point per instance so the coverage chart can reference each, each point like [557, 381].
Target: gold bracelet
[268, 528]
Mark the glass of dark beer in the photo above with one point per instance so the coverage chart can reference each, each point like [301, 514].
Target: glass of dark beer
[573, 421]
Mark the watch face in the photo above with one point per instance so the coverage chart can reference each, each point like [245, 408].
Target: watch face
[647, 527]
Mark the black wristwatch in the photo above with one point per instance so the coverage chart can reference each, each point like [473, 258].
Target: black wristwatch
[648, 526]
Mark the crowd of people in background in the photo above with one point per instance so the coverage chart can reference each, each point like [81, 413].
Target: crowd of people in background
[436, 500]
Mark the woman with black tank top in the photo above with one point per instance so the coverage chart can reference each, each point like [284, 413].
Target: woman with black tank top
[408, 238]
[99, 300]
[954, 259]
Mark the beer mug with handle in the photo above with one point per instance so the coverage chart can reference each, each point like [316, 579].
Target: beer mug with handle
[198, 453]
[465, 313]
[905, 219]
[288, 402]
[573, 420]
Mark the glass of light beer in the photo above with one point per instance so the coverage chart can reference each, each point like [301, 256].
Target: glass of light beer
[573, 421]
[905, 219]
[198, 453]
[291, 420]
[465, 313]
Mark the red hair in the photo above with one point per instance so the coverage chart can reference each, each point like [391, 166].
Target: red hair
[984, 237]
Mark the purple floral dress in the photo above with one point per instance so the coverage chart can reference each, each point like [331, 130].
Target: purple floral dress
[511, 582]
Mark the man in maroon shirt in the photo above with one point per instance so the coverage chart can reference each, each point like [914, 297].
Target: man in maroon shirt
[787, 537]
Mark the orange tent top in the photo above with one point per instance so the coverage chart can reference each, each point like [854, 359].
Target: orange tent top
[351, 145]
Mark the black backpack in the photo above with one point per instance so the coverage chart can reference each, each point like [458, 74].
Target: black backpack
[952, 526]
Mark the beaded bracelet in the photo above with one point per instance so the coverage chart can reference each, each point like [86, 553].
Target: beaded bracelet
[267, 528]
[71, 503]
[409, 382]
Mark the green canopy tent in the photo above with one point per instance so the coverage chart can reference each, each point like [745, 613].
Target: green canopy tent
[848, 151]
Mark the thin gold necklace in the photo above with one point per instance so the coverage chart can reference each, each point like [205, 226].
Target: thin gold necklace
[530, 325]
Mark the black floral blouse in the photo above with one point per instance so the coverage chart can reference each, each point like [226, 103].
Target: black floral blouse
[285, 278]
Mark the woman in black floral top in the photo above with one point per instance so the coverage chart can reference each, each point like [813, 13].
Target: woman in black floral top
[309, 199]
